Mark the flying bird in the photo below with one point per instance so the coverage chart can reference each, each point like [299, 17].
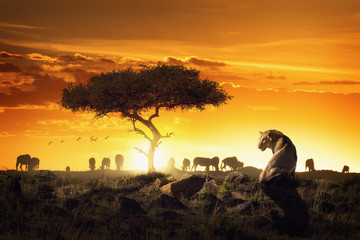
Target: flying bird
[62, 141]
[50, 142]
[78, 139]
[93, 139]
[106, 137]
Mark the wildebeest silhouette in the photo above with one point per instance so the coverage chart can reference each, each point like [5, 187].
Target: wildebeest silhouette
[345, 169]
[186, 164]
[105, 164]
[119, 161]
[309, 164]
[284, 158]
[23, 160]
[232, 162]
[171, 163]
[92, 164]
[206, 162]
[34, 164]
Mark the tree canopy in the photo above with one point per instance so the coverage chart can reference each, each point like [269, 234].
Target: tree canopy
[132, 92]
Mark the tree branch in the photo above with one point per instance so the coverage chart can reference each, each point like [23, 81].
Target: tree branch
[141, 151]
[156, 114]
[139, 131]
[167, 135]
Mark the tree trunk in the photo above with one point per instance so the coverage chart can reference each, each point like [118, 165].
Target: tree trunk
[150, 157]
[151, 153]
[154, 142]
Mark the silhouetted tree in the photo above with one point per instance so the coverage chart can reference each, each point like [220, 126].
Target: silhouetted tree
[133, 92]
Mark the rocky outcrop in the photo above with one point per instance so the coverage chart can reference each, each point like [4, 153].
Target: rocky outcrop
[157, 185]
[185, 187]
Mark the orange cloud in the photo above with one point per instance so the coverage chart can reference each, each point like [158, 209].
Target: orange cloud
[42, 90]
[8, 67]
[196, 61]
[40, 57]
[6, 55]
[343, 82]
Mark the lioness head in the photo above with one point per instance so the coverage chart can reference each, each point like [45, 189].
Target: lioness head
[264, 140]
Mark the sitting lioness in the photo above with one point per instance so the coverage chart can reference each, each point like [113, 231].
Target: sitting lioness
[284, 158]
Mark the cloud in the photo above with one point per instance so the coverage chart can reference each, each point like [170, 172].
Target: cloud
[40, 57]
[204, 62]
[341, 82]
[48, 106]
[74, 58]
[4, 134]
[194, 60]
[77, 57]
[174, 61]
[79, 74]
[8, 67]
[273, 77]
[6, 55]
[43, 90]
[18, 26]
[231, 84]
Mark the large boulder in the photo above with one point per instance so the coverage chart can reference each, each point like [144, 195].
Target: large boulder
[185, 187]
[129, 206]
[212, 186]
[237, 178]
[157, 185]
[247, 207]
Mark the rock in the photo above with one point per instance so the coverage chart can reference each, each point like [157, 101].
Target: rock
[45, 175]
[185, 187]
[205, 197]
[129, 206]
[240, 195]
[231, 201]
[157, 185]
[166, 201]
[246, 207]
[236, 177]
[212, 187]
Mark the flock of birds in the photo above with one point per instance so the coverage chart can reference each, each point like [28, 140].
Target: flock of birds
[92, 139]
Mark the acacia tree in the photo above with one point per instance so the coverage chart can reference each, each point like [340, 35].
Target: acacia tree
[134, 93]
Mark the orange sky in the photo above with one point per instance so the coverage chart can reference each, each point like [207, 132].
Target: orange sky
[290, 65]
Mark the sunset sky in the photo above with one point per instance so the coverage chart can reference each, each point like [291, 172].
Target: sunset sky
[293, 66]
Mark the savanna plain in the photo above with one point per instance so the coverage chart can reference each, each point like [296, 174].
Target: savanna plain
[109, 204]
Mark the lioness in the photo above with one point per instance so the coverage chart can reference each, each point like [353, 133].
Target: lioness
[284, 158]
